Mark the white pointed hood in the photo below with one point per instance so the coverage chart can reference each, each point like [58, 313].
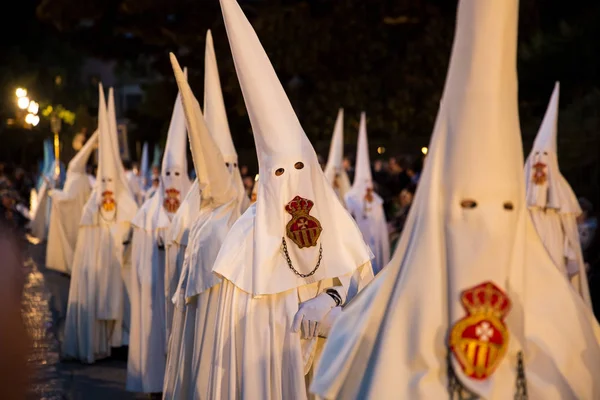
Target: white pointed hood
[111, 195]
[214, 179]
[334, 170]
[216, 119]
[546, 187]
[215, 183]
[467, 252]
[79, 162]
[175, 182]
[363, 179]
[296, 206]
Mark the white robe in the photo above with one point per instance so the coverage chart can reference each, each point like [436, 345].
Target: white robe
[560, 237]
[67, 206]
[41, 215]
[147, 347]
[193, 337]
[134, 187]
[371, 222]
[177, 241]
[97, 313]
[256, 355]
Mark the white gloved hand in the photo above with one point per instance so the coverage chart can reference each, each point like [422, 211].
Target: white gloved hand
[325, 325]
[310, 313]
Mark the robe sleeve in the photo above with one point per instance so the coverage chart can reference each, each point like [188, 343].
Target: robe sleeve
[574, 257]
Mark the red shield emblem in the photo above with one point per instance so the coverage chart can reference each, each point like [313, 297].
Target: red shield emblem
[479, 340]
[539, 174]
[302, 229]
[108, 201]
[171, 202]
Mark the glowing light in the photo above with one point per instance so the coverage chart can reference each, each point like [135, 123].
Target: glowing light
[256, 178]
[29, 119]
[33, 107]
[380, 150]
[20, 92]
[35, 120]
[424, 150]
[23, 102]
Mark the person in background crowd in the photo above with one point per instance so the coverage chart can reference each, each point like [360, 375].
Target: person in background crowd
[3, 177]
[349, 167]
[586, 223]
[248, 184]
[22, 185]
[403, 203]
[379, 178]
[244, 171]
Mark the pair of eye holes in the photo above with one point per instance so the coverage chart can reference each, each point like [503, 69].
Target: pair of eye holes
[537, 153]
[473, 204]
[228, 164]
[280, 171]
[106, 180]
[174, 173]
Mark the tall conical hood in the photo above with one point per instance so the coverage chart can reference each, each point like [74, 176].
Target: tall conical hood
[277, 131]
[216, 119]
[469, 264]
[296, 205]
[546, 187]
[363, 179]
[156, 157]
[112, 120]
[214, 106]
[111, 195]
[175, 182]
[79, 162]
[334, 170]
[214, 180]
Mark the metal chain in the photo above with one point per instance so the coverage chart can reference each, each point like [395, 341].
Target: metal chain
[521, 391]
[113, 219]
[289, 260]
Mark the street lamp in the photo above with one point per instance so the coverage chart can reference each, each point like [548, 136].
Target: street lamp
[20, 92]
[23, 102]
[424, 150]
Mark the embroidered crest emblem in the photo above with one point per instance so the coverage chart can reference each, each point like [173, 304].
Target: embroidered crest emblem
[171, 202]
[539, 175]
[479, 340]
[108, 201]
[303, 229]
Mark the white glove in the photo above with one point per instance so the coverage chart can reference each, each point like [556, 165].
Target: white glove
[324, 327]
[310, 313]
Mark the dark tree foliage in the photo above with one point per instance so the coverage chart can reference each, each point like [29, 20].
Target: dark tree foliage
[387, 57]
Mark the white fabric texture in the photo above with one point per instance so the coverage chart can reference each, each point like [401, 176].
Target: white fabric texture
[552, 203]
[67, 206]
[366, 206]
[468, 225]
[98, 308]
[334, 170]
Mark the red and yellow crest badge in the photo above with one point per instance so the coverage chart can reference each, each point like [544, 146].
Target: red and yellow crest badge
[539, 173]
[108, 201]
[171, 202]
[479, 341]
[303, 229]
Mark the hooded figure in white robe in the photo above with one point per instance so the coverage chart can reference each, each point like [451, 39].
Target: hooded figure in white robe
[288, 262]
[553, 206]
[40, 215]
[67, 207]
[98, 309]
[196, 301]
[471, 305]
[334, 170]
[218, 126]
[365, 205]
[147, 348]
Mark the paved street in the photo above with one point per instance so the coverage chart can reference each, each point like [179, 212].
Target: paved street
[45, 304]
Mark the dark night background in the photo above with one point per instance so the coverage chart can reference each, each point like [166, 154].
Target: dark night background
[387, 57]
